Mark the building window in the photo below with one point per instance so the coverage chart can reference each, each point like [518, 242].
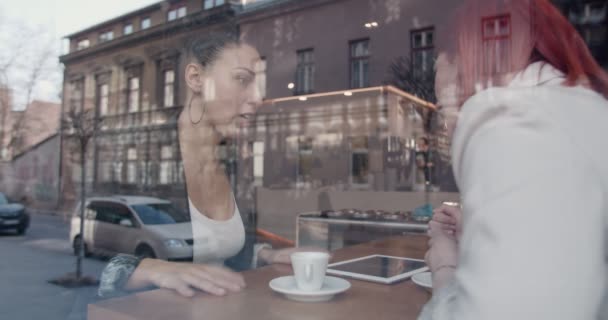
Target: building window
[359, 63]
[117, 171]
[423, 52]
[77, 94]
[496, 33]
[359, 160]
[103, 94]
[133, 94]
[145, 23]
[258, 162]
[260, 76]
[106, 171]
[176, 12]
[169, 167]
[169, 88]
[213, 3]
[132, 165]
[305, 71]
[106, 36]
[83, 44]
[127, 29]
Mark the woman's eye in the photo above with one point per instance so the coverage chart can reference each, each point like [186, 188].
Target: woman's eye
[243, 79]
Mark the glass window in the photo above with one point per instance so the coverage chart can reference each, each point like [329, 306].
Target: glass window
[305, 71]
[496, 44]
[181, 12]
[133, 92]
[258, 160]
[110, 212]
[168, 165]
[83, 44]
[172, 15]
[359, 63]
[260, 76]
[145, 23]
[127, 29]
[169, 88]
[106, 36]
[104, 94]
[160, 213]
[132, 165]
[213, 3]
[423, 53]
[3, 199]
[77, 94]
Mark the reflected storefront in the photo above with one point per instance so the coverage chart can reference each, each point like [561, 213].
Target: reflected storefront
[337, 150]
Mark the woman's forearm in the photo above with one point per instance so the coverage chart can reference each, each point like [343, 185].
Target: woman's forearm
[143, 276]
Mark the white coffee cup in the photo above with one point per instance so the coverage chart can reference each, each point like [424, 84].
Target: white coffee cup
[309, 269]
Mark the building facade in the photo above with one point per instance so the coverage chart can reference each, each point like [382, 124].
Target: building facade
[316, 57]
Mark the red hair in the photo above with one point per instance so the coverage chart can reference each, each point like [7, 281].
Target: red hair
[537, 31]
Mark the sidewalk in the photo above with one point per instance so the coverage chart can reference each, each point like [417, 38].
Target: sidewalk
[25, 270]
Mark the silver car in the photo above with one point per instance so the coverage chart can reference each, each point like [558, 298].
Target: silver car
[143, 226]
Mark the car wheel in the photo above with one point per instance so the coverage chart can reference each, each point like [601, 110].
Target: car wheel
[145, 251]
[76, 247]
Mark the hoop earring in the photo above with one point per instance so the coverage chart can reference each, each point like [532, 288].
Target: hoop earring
[204, 109]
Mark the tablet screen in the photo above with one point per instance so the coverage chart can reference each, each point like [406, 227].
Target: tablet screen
[380, 266]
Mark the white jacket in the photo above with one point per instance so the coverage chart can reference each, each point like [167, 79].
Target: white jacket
[531, 162]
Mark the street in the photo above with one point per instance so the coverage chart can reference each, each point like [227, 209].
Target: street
[29, 261]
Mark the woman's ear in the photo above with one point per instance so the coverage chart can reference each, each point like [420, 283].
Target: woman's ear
[194, 77]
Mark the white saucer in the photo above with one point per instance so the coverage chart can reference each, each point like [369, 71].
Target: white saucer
[423, 279]
[287, 286]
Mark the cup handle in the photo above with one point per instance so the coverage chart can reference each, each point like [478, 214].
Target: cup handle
[308, 272]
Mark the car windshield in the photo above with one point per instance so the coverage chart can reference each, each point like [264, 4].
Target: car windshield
[3, 199]
[160, 213]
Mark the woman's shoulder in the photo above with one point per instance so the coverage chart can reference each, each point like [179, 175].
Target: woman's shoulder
[551, 121]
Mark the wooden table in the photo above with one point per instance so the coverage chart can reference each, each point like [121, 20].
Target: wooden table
[364, 300]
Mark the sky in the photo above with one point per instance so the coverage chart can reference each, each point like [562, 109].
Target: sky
[60, 18]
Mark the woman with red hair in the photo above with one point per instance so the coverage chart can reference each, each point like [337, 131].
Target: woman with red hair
[529, 156]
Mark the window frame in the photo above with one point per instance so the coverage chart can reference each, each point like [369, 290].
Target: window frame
[214, 4]
[79, 41]
[301, 88]
[124, 28]
[425, 48]
[495, 40]
[102, 80]
[141, 23]
[102, 36]
[80, 99]
[352, 59]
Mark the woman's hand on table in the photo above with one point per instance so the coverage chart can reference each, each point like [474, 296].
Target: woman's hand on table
[449, 218]
[283, 256]
[185, 278]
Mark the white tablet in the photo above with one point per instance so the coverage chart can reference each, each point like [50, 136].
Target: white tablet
[378, 268]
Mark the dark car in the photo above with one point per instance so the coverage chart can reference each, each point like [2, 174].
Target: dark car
[13, 216]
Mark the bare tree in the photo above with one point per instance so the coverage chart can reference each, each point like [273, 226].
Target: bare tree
[26, 61]
[403, 75]
[81, 126]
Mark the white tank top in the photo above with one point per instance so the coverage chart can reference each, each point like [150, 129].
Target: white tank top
[215, 241]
